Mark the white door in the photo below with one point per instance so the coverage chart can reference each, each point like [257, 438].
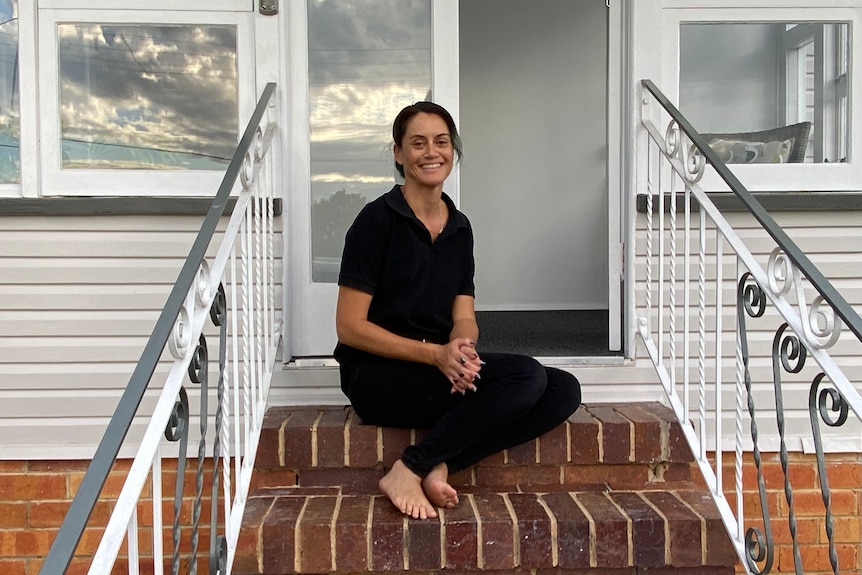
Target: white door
[353, 65]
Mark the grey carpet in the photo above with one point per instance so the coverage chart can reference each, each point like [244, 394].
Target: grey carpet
[545, 333]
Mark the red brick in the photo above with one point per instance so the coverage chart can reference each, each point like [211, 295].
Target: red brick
[648, 535]
[648, 432]
[33, 487]
[511, 477]
[816, 558]
[522, 454]
[13, 515]
[584, 430]
[802, 476]
[685, 544]
[631, 476]
[719, 549]
[267, 456]
[811, 503]
[387, 536]
[573, 531]
[611, 544]
[296, 435]
[498, 542]
[461, 536]
[808, 531]
[18, 544]
[245, 556]
[351, 534]
[278, 535]
[844, 475]
[13, 567]
[13, 466]
[353, 480]
[554, 445]
[262, 478]
[315, 550]
[845, 530]
[330, 438]
[395, 440]
[534, 530]
[52, 513]
[423, 544]
[364, 440]
[61, 466]
[615, 434]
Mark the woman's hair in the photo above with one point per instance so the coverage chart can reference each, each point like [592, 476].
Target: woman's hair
[399, 126]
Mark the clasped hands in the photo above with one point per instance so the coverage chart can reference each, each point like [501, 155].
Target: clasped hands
[460, 363]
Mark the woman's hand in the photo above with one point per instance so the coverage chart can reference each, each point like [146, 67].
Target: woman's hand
[460, 363]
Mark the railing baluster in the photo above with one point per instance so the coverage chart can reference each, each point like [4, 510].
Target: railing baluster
[808, 330]
[198, 295]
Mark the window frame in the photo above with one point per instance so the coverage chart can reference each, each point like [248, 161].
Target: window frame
[763, 177]
[39, 144]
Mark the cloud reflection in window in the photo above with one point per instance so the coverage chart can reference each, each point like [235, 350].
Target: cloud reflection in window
[147, 96]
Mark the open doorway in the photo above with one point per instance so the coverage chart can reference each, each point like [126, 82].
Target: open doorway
[533, 118]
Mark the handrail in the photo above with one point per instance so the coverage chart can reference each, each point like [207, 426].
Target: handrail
[820, 283]
[71, 530]
[693, 361]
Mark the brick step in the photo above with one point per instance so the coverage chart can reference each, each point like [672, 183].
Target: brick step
[611, 488]
[323, 530]
[613, 446]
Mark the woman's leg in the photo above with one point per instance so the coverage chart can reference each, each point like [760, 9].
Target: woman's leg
[404, 394]
[561, 398]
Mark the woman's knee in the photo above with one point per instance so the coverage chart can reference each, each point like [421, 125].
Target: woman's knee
[565, 389]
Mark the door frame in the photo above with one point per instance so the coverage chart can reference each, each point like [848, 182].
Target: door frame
[300, 325]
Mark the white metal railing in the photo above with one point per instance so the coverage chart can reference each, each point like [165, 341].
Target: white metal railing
[236, 291]
[704, 358]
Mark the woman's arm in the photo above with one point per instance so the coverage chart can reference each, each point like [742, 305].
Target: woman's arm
[354, 329]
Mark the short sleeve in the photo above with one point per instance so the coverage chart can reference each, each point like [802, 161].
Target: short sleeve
[364, 250]
[467, 286]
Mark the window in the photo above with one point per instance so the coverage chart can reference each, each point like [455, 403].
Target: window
[367, 59]
[10, 121]
[122, 98]
[759, 77]
[772, 88]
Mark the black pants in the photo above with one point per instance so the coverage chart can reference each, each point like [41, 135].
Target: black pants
[517, 400]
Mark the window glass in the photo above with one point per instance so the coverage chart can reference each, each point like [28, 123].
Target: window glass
[367, 60]
[147, 96]
[9, 114]
[767, 92]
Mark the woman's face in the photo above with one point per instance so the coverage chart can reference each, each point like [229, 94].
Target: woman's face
[426, 152]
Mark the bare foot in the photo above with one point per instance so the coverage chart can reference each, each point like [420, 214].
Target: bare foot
[404, 490]
[437, 488]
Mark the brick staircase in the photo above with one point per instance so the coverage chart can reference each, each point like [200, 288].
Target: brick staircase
[613, 490]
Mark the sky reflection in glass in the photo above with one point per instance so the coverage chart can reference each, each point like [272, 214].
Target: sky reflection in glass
[147, 96]
[367, 60]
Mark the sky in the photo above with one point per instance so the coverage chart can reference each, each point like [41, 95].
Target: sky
[146, 89]
[367, 60]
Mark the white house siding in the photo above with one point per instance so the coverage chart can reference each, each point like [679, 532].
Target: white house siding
[831, 240]
[79, 297]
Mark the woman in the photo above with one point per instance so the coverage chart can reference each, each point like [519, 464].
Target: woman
[407, 329]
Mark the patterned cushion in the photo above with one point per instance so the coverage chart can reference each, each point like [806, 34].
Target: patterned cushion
[764, 146]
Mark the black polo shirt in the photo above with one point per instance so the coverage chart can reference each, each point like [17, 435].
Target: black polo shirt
[413, 282]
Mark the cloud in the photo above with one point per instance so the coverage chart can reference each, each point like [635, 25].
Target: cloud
[150, 86]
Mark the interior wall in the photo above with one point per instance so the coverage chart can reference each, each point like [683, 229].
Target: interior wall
[533, 177]
[729, 76]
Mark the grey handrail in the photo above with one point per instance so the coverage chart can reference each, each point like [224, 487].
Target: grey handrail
[71, 530]
[808, 269]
